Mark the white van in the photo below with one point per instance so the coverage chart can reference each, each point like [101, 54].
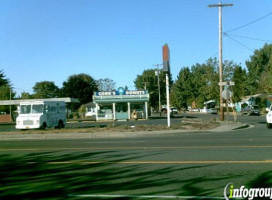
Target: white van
[41, 114]
[269, 117]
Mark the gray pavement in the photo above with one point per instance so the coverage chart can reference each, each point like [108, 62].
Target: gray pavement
[224, 127]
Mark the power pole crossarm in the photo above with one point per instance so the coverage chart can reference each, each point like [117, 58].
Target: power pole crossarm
[219, 5]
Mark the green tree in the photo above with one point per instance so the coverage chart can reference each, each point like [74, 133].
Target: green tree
[266, 81]
[182, 89]
[3, 80]
[149, 81]
[26, 95]
[200, 83]
[80, 86]
[205, 82]
[105, 85]
[239, 78]
[266, 77]
[45, 89]
[6, 91]
[259, 70]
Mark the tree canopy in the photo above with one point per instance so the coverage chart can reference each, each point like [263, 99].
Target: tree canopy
[80, 86]
[105, 85]
[148, 80]
[200, 83]
[260, 71]
[6, 91]
[46, 89]
[3, 80]
[197, 83]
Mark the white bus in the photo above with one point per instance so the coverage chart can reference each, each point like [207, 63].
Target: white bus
[41, 114]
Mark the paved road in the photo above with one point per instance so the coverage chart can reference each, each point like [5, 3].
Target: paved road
[187, 166]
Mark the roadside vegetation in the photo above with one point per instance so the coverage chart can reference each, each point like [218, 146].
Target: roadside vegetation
[185, 124]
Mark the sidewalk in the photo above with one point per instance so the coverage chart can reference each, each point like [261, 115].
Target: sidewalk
[224, 127]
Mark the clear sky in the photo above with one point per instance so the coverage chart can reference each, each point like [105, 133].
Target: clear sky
[49, 40]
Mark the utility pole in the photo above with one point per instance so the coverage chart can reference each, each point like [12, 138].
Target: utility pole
[10, 102]
[219, 6]
[166, 68]
[167, 99]
[159, 89]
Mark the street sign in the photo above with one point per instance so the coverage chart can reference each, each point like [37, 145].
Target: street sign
[166, 58]
[222, 83]
[226, 94]
[226, 83]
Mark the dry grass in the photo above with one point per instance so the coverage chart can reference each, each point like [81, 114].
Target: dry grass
[125, 128]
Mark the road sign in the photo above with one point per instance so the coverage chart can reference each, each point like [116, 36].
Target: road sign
[226, 94]
[226, 83]
[222, 83]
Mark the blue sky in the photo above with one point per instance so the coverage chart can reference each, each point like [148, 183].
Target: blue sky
[49, 40]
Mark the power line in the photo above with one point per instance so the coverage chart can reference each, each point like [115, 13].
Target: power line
[238, 42]
[249, 23]
[245, 37]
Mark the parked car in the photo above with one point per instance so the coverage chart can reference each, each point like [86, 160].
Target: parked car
[251, 110]
[212, 111]
[173, 110]
[269, 117]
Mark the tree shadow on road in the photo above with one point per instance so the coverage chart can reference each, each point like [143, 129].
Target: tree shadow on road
[58, 175]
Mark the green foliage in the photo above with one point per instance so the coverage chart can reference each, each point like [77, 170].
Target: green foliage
[182, 89]
[105, 85]
[6, 91]
[198, 84]
[45, 89]
[149, 81]
[5, 87]
[259, 71]
[239, 78]
[26, 95]
[3, 80]
[80, 86]
[82, 111]
[261, 102]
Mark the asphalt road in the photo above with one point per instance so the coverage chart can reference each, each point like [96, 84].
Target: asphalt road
[176, 166]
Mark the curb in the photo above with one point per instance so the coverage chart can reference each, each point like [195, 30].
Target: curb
[224, 127]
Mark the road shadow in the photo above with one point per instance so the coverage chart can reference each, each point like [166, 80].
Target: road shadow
[64, 176]
[264, 180]
[61, 175]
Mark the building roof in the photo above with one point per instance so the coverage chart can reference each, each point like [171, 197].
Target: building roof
[121, 95]
[121, 98]
[18, 101]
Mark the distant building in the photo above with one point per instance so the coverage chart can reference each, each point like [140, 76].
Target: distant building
[252, 101]
[121, 104]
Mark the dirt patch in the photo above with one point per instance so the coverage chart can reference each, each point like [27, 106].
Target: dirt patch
[188, 125]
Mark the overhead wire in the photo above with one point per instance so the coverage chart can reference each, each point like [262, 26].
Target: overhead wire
[238, 42]
[230, 36]
[254, 21]
[246, 37]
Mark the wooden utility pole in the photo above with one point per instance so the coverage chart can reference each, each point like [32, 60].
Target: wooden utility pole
[219, 6]
[159, 88]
